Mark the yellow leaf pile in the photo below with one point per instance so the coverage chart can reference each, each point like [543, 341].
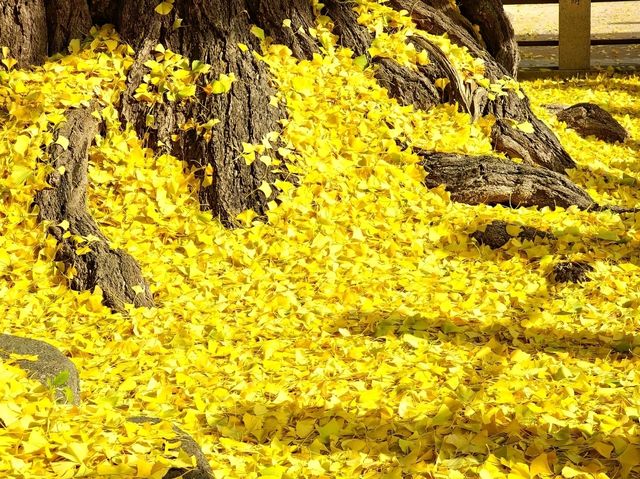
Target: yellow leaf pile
[360, 332]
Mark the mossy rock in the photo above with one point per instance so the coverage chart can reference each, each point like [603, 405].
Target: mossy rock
[52, 368]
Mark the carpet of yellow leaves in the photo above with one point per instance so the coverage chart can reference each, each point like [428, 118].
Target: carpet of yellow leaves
[361, 332]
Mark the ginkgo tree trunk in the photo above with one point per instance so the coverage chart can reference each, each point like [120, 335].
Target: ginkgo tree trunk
[223, 34]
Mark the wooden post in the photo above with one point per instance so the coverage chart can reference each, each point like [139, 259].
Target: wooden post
[575, 35]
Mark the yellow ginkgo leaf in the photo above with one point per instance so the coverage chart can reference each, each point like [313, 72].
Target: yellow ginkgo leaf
[540, 466]
[164, 8]
[266, 189]
[525, 127]
[9, 62]
[21, 144]
[63, 142]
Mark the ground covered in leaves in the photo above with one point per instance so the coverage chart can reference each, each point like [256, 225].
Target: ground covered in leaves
[361, 332]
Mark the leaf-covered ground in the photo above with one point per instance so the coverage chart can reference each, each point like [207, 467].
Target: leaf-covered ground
[360, 332]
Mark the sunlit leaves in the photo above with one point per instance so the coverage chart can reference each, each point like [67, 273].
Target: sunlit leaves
[221, 85]
[171, 77]
[258, 32]
[63, 142]
[21, 144]
[360, 332]
[266, 189]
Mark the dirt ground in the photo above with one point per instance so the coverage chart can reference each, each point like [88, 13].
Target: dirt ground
[619, 19]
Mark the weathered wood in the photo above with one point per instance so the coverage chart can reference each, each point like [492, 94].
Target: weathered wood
[33, 29]
[202, 469]
[574, 31]
[540, 147]
[496, 31]
[489, 180]
[589, 119]
[64, 207]
[66, 20]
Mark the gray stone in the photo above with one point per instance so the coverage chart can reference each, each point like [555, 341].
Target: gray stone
[52, 368]
[191, 447]
[588, 119]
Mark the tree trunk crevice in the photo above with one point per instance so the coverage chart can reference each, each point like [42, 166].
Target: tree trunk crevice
[82, 247]
[66, 20]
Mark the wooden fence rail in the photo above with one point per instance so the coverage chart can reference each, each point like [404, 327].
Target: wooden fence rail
[574, 39]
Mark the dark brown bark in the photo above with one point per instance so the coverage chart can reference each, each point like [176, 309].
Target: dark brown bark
[411, 87]
[202, 469]
[33, 29]
[485, 179]
[66, 20]
[215, 29]
[571, 272]
[23, 28]
[589, 119]
[104, 11]
[496, 31]
[64, 206]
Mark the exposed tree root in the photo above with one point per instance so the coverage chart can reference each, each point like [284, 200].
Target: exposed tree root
[589, 119]
[488, 180]
[64, 205]
[495, 30]
[496, 234]
[539, 147]
[216, 27]
[416, 88]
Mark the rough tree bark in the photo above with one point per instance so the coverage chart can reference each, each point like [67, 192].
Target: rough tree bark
[64, 206]
[23, 28]
[488, 180]
[33, 29]
[213, 30]
[496, 31]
